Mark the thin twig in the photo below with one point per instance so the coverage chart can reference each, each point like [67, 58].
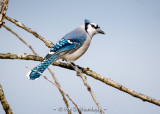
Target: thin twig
[59, 88]
[84, 79]
[29, 46]
[4, 102]
[3, 10]
[21, 25]
[56, 82]
[20, 39]
[88, 72]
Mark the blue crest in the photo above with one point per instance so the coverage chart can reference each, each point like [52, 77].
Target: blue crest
[87, 21]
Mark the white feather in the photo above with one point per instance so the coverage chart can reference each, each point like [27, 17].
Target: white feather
[51, 52]
[28, 74]
[69, 41]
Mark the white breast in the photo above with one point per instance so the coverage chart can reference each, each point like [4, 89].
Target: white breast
[78, 53]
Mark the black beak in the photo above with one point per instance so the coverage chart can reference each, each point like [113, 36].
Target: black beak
[100, 31]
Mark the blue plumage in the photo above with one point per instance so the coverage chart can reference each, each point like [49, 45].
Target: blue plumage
[69, 48]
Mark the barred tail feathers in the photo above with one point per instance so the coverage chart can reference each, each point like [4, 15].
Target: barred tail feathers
[32, 75]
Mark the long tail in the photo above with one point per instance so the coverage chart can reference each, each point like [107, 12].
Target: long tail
[32, 75]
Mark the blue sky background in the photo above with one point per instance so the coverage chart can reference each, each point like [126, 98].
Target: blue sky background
[129, 54]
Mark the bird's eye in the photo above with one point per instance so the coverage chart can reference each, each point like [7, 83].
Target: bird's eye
[92, 26]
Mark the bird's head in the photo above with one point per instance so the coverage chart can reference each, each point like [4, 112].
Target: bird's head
[92, 28]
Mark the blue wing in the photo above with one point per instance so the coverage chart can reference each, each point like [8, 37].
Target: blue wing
[69, 43]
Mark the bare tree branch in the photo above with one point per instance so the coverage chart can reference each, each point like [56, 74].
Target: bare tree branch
[84, 79]
[4, 102]
[59, 88]
[21, 25]
[88, 72]
[20, 56]
[3, 10]
[120, 87]
[30, 47]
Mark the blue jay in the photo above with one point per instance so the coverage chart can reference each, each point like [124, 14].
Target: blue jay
[72, 46]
